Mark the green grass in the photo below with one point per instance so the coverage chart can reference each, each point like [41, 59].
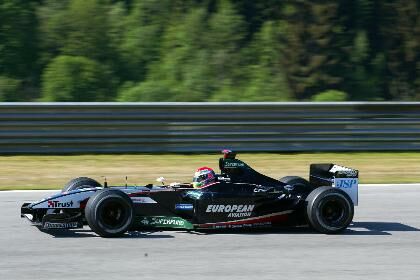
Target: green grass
[52, 172]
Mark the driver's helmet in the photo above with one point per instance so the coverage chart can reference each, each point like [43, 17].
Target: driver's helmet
[203, 177]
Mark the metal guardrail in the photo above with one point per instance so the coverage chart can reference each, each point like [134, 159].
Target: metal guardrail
[205, 127]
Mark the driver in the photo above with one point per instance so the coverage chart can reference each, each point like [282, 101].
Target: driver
[204, 176]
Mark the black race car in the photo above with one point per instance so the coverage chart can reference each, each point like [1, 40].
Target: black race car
[239, 198]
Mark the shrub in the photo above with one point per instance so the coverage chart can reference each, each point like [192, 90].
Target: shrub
[330, 95]
[76, 78]
[145, 91]
[9, 89]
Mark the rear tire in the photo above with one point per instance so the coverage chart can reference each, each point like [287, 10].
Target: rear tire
[300, 185]
[294, 180]
[109, 213]
[80, 183]
[329, 210]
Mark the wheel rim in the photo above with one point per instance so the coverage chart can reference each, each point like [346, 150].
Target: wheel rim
[113, 214]
[333, 212]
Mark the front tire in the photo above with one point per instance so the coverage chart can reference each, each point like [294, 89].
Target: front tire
[109, 213]
[329, 210]
[80, 183]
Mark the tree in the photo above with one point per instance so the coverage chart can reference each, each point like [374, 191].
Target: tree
[183, 59]
[75, 28]
[9, 89]
[141, 37]
[225, 37]
[207, 50]
[267, 77]
[365, 72]
[76, 78]
[257, 13]
[17, 37]
[312, 47]
[363, 63]
[200, 53]
[401, 33]
[18, 49]
[86, 30]
[52, 16]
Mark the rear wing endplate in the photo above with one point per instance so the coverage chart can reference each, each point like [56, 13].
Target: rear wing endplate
[341, 177]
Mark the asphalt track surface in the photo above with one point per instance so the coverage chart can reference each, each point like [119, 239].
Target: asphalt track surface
[383, 243]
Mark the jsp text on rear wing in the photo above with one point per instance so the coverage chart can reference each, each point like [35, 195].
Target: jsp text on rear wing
[329, 174]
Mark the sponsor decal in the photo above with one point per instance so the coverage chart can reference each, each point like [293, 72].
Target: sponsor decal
[171, 222]
[221, 178]
[142, 199]
[253, 225]
[235, 211]
[58, 201]
[229, 164]
[350, 186]
[58, 204]
[184, 207]
[345, 183]
[289, 187]
[343, 171]
[260, 221]
[50, 225]
[193, 194]
[259, 190]
[350, 173]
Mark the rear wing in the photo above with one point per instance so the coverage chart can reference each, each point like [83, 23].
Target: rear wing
[341, 177]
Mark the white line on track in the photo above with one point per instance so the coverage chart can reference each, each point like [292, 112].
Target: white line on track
[28, 191]
[391, 185]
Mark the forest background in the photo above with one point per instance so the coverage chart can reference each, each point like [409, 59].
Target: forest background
[209, 50]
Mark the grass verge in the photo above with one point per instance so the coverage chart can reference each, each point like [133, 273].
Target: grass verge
[52, 172]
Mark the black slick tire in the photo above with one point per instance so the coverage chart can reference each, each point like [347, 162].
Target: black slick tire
[294, 180]
[80, 183]
[329, 210]
[109, 213]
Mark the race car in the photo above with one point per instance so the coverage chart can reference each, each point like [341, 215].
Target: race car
[238, 197]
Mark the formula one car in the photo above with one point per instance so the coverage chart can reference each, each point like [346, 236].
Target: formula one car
[240, 197]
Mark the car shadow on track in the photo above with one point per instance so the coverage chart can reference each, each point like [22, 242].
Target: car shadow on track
[82, 233]
[377, 228]
[67, 233]
[356, 228]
